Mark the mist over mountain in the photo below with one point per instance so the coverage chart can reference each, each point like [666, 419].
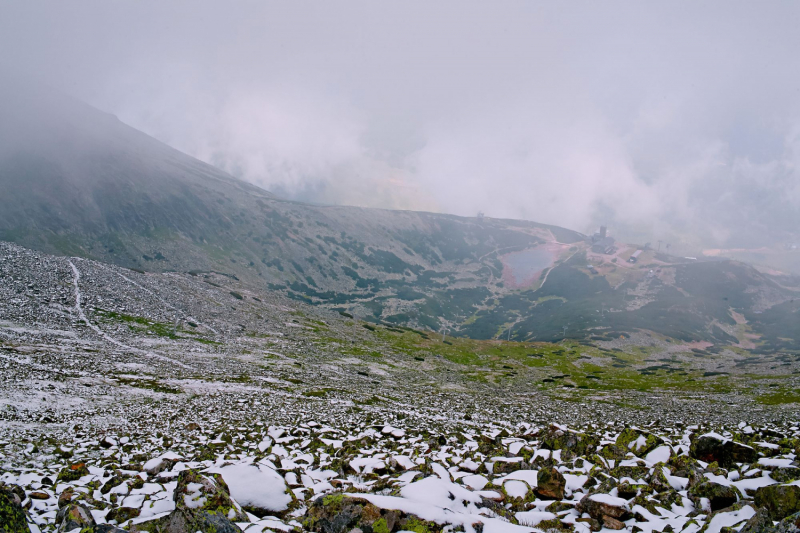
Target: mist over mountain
[661, 125]
[80, 182]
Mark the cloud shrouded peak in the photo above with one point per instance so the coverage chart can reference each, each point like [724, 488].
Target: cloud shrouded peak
[672, 120]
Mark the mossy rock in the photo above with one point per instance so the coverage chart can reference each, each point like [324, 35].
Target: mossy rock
[73, 472]
[210, 489]
[114, 481]
[572, 442]
[122, 514]
[634, 472]
[12, 516]
[637, 441]
[500, 468]
[657, 480]
[339, 513]
[186, 521]
[645, 501]
[759, 523]
[719, 496]
[785, 474]
[557, 507]
[612, 451]
[790, 524]
[550, 484]
[780, 501]
[554, 525]
[74, 516]
[692, 472]
[669, 498]
[629, 490]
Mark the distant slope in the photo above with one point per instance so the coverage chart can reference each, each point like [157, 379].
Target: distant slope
[77, 181]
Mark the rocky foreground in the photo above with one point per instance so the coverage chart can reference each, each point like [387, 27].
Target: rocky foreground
[381, 479]
[190, 402]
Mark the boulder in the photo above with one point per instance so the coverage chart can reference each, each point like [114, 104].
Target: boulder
[74, 516]
[122, 514]
[12, 516]
[685, 466]
[785, 474]
[758, 523]
[605, 508]
[719, 496]
[573, 442]
[657, 480]
[637, 441]
[200, 522]
[161, 463]
[790, 524]
[628, 490]
[112, 482]
[550, 484]
[259, 489]
[500, 468]
[725, 452]
[779, 501]
[202, 504]
[107, 528]
[338, 513]
[73, 472]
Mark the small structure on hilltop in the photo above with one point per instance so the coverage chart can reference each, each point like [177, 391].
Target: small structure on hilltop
[600, 235]
[602, 243]
[604, 246]
[635, 256]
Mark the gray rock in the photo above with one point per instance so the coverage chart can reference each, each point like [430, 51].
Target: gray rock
[74, 516]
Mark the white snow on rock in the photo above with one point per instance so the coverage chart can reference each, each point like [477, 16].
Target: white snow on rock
[256, 486]
[776, 463]
[475, 482]
[659, 455]
[532, 518]
[528, 476]
[516, 489]
[728, 519]
[609, 500]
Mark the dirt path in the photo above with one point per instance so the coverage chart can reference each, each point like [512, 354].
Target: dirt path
[76, 276]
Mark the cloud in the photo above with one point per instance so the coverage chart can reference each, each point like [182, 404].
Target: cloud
[675, 121]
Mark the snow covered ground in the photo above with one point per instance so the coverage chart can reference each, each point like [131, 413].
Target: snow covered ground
[286, 478]
[126, 397]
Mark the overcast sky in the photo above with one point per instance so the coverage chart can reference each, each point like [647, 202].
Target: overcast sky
[675, 120]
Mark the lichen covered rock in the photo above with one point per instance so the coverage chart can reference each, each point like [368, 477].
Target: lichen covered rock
[572, 442]
[637, 441]
[719, 496]
[73, 472]
[74, 516]
[780, 501]
[713, 448]
[550, 484]
[12, 516]
[202, 504]
[337, 513]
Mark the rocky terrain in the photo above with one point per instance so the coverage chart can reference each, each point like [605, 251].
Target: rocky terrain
[192, 402]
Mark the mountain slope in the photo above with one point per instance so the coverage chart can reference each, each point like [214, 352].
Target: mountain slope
[77, 181]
